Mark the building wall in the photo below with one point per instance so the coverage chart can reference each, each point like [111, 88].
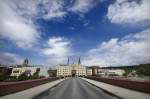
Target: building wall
[118, 72]
[16, 71]
[89, 72]
[19, 70]
[81, 71]
[67, 70]
[63, 71]
[107, 72]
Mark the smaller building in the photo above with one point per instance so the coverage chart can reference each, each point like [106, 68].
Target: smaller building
[52, 73]
[17, 71]
[111, 72]
[89, 71]
[29, 69]
[93, 70]
[105, 71]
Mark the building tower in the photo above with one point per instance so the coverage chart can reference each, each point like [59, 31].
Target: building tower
[79, 61]
[26, 62]
[68, 61]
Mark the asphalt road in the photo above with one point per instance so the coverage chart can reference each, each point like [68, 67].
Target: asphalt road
[74, 88]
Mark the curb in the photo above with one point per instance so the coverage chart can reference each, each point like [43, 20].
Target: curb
[44, 92]
[104, 90]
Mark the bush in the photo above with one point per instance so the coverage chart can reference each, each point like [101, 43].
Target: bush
[113, 75]
[3, 77]
[127, 72]
[143, 70]
[22, 77]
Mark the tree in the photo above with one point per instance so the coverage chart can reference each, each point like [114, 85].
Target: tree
[3, 77]
[143, 70]
[36, 74]
[127, 72]
[23, 76]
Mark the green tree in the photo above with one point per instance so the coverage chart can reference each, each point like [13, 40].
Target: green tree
[23, 76]
[127, 72]
[3, 77]
[143, 70]
[36, 74]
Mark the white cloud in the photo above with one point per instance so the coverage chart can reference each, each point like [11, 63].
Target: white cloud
[9, 58]
[58, 48]
[130, 50]
[133, 12]
[17, 17]
[53, 9]
[15, 27]
[83, 6]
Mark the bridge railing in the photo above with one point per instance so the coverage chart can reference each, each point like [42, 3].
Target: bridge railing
[143, 86]
[12, 87]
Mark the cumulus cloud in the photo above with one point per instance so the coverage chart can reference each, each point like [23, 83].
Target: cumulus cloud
[130, 50]
[53, 9]
[15, 27]
[10, 58]
[132, 12]
[83, 6]
[58, 48]
[18, 17]
[60, 8]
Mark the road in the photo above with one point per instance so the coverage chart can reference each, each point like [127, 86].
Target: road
[74, 88]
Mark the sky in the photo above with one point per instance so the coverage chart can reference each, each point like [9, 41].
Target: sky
[100, 32]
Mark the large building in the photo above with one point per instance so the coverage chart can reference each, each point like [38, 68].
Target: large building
[71, 69]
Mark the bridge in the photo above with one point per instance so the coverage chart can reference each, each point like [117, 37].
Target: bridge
[73, 88]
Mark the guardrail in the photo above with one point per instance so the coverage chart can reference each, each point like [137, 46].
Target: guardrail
[12, 87]
[143, 86]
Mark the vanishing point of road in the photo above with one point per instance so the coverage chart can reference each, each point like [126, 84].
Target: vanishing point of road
[74, 88]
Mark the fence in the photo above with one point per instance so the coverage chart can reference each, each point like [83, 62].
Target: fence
[11, 87]
[143, 86]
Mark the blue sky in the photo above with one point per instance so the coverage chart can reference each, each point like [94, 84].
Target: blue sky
[101, 32]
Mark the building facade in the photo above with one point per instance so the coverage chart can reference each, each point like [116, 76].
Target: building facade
[17, 71]
[89, 71]
[105, 71]
[93, 70]
[29, 69]
[71, 69]
[111, 72]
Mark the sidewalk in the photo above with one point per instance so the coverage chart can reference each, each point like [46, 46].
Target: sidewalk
[30, 93]
[119, 91]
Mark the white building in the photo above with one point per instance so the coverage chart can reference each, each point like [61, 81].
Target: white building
[111, 72]
[71, 69]
[105, 71]
[29, 69]
[16, 71]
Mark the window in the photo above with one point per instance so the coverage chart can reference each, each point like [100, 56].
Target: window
[16, 71]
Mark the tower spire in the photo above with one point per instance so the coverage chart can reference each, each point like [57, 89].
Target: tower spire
[79, 62]
[68, 61]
